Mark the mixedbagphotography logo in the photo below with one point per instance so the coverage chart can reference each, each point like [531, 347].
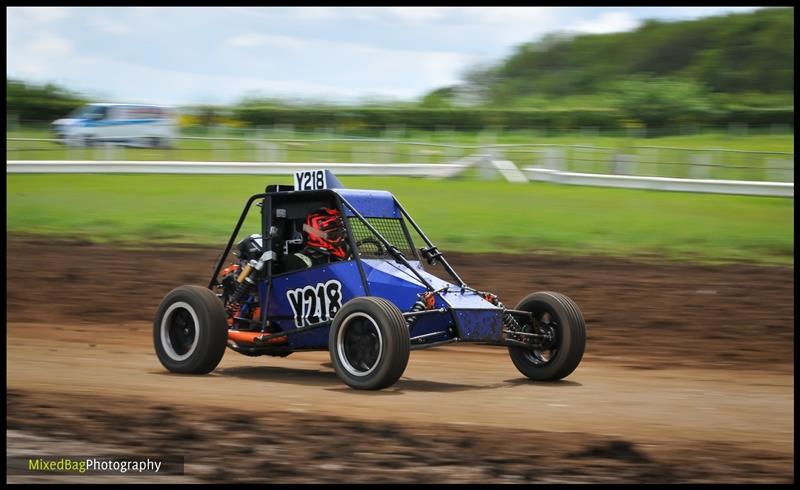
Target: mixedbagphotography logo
[81, 465]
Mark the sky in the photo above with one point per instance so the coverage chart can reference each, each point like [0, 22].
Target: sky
[217, 55]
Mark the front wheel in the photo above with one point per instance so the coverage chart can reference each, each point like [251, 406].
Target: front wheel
[369, 343]
[560, 337]
[190, 330]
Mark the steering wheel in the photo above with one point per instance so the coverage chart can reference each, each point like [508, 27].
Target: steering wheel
[381, 250]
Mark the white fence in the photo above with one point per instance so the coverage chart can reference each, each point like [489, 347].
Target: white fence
[228, 168]
[506, 168]
[636, 160]
[641, 167]
[776, 189]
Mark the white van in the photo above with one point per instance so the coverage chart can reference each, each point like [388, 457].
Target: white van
[130, 124]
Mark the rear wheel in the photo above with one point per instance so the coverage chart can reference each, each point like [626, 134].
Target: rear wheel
[190, 330]
[369, 343]
[560, 337]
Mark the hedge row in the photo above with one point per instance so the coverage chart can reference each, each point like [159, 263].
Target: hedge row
[41, 110]
[355, 119]
[475, 119]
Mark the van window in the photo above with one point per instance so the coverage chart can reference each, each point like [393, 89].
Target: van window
[145, 112]
[115, 112]
[96, 112]
[89, 111]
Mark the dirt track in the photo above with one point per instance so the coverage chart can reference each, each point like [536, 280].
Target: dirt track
[688, 376]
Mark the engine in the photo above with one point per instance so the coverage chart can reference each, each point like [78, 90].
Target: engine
[239, 292]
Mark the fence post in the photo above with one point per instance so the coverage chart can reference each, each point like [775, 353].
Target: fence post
[72, 149]
[353, 151]
[623, 164]
[450, 151]
[554, 159]
[316, 144]
[392, 132]
[780, 170]
[714, 158]
[215, 143]
[487, 140]
[12, 123]
[227, 144]
[261, 145]
[700, 165]
[648, 157]
[277, 132]
[12, 120]
[386, 149]
[588, 162]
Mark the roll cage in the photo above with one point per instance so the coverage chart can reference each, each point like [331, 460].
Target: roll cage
[352, 215]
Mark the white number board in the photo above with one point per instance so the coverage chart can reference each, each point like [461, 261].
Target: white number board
[310, 180]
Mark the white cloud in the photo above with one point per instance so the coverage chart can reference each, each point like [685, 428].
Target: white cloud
[255, 40]
[109, 26]
[609, 22]
[46, 45]
[37, 58]
[496, 27]
[694, 12]
[404, 73]
[133, 82]
[41, 14]
[303, 14]
[316, 13]
[419, 14]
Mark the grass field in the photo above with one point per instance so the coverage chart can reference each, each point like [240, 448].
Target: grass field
[459, 214]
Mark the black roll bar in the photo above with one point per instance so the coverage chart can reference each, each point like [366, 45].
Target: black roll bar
[431, 247]
[213, 281]
[266, 236]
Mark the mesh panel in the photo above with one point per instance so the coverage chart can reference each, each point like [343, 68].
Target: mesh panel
[390, 229]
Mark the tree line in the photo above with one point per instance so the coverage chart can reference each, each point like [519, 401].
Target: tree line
[714, 71]
[734, 53]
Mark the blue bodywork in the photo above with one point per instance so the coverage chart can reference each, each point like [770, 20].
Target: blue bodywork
[304, 297]
[371, 204]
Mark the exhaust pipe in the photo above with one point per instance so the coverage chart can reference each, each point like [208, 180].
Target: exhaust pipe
[240, 336]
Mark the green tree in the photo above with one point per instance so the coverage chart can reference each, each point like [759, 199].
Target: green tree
[661, 102]
[438, 99]
[32, 103]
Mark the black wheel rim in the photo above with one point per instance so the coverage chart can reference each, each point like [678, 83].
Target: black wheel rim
[359, 344]
[547, 325]
[181, 331]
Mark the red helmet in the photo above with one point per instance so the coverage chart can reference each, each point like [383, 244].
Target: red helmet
[325, 230]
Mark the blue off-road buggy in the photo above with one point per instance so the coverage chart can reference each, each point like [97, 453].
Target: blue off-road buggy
[368, 310]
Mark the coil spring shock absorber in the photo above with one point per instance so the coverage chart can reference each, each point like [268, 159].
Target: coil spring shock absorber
[509, 322]
[245, 286]
[425, 301]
